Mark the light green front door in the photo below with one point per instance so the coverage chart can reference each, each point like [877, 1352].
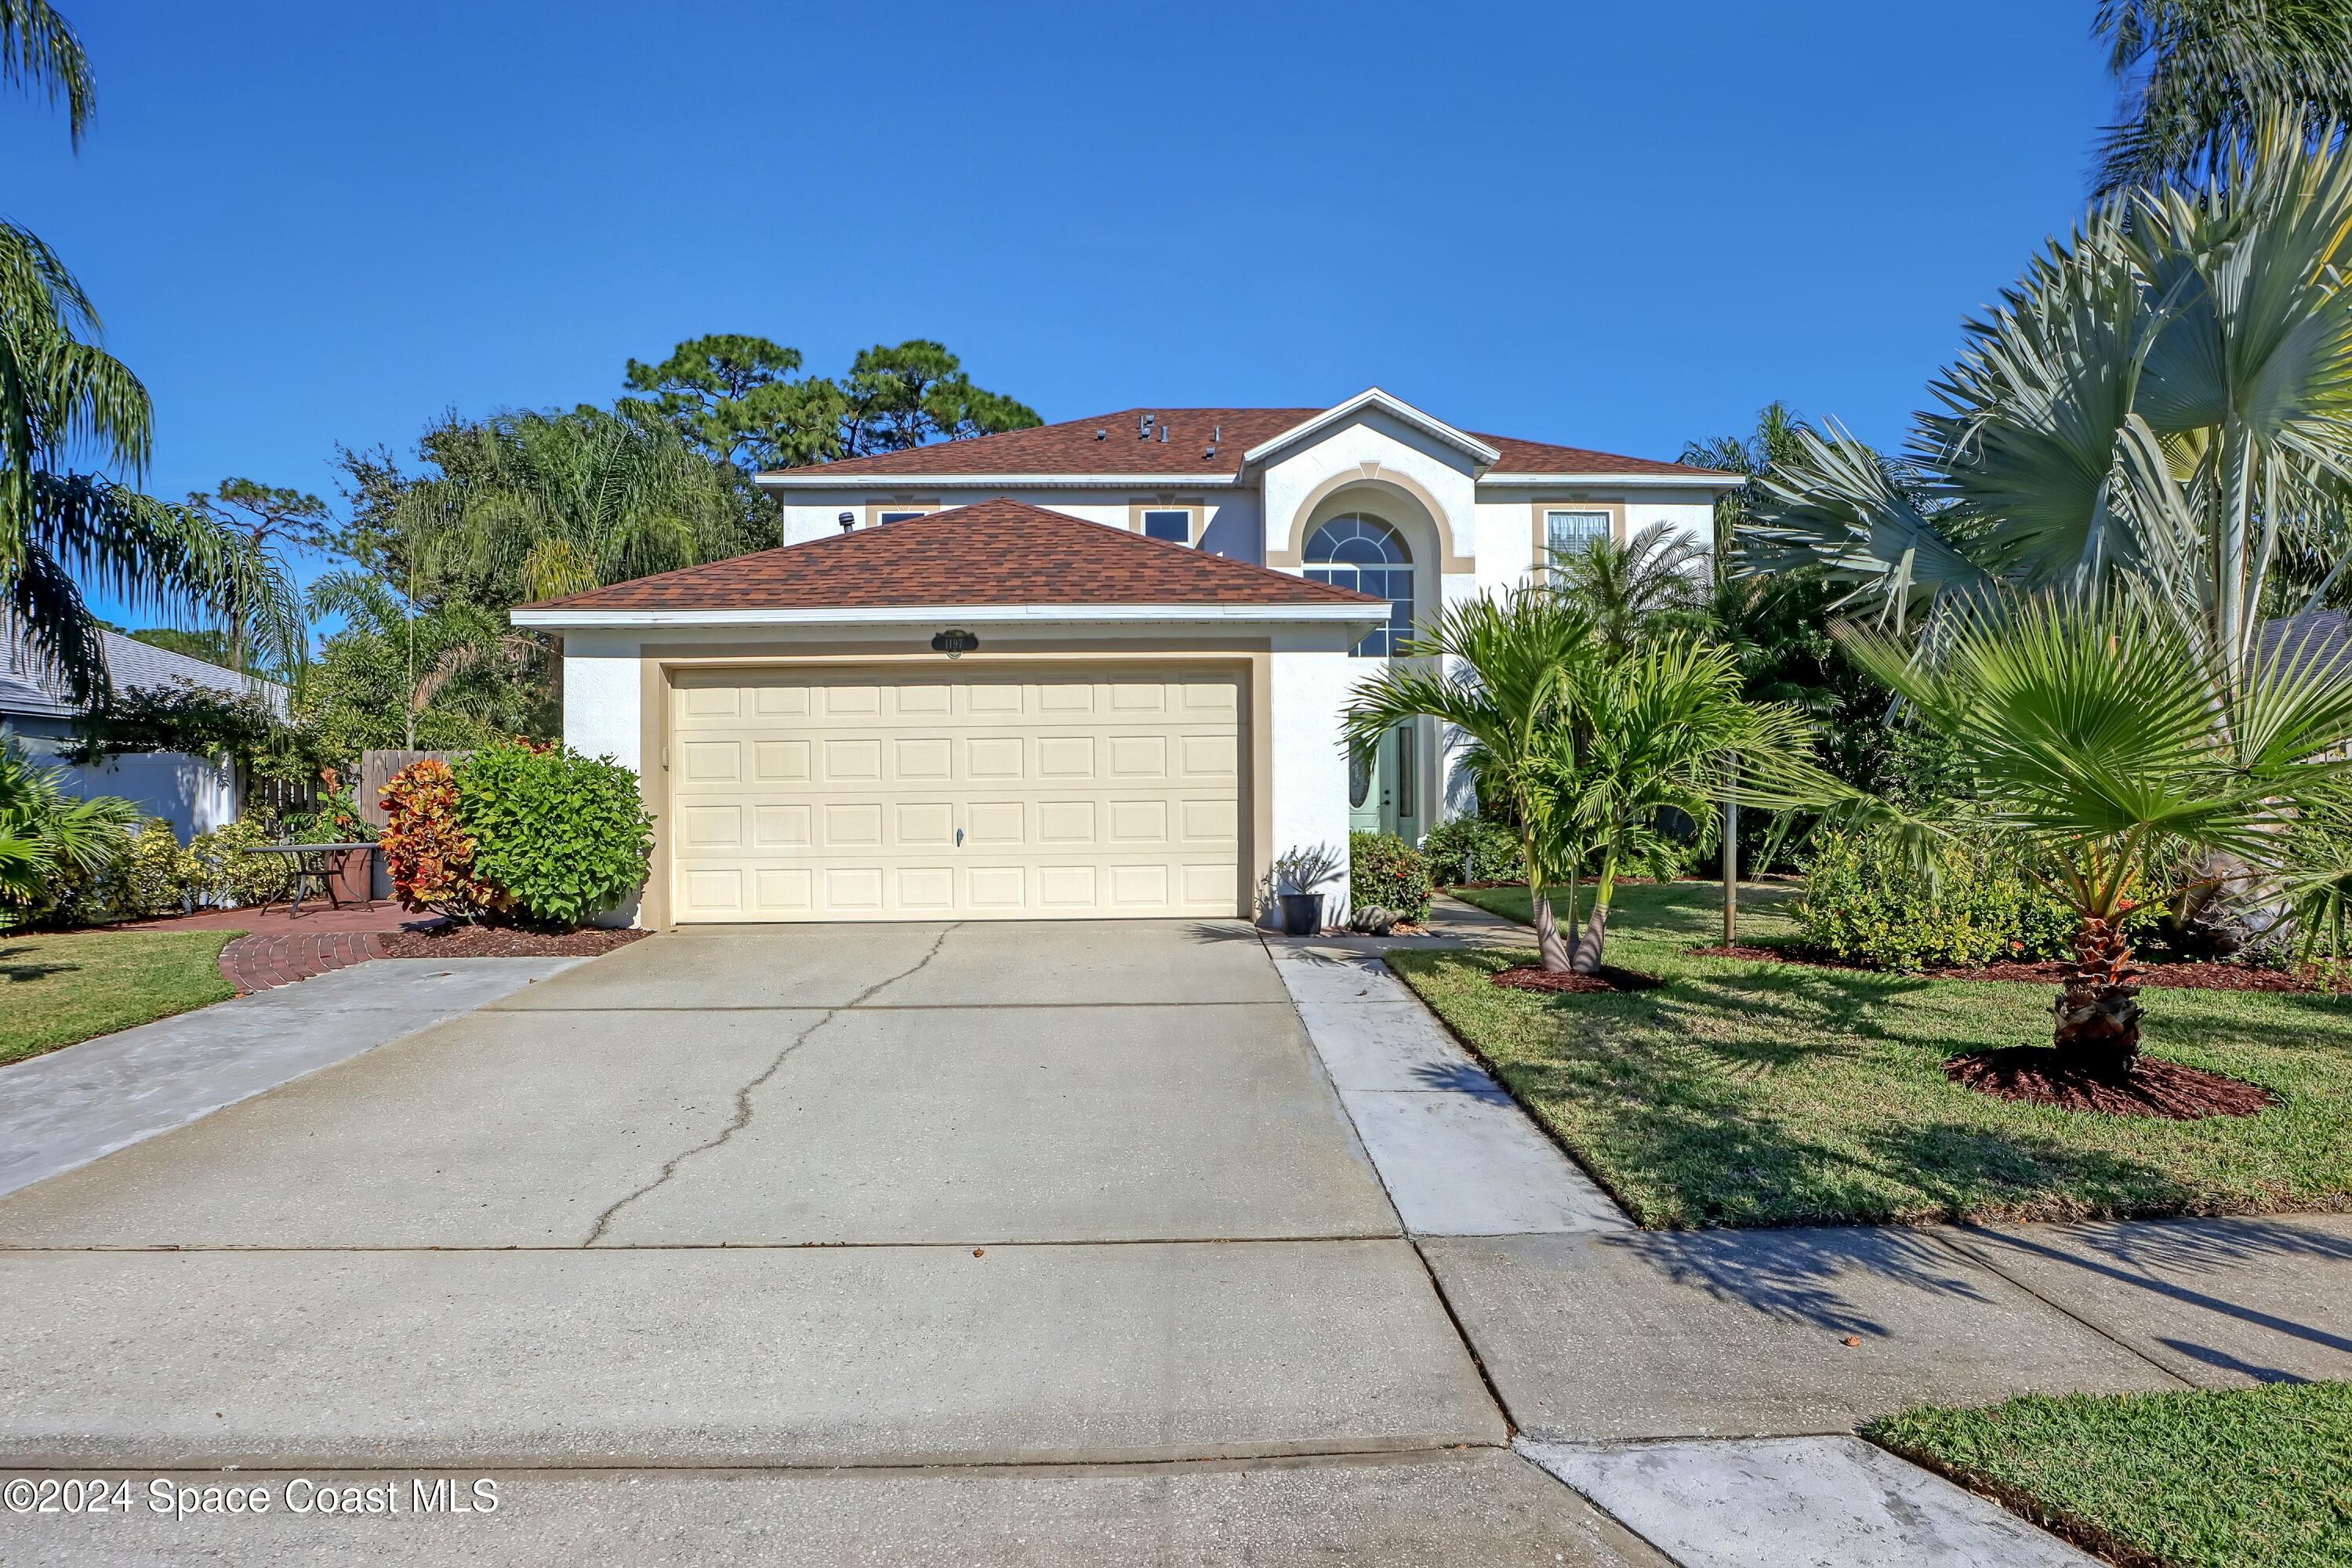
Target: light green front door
[1381, 793]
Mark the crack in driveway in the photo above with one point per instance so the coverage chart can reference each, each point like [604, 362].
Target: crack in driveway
[743, 1094]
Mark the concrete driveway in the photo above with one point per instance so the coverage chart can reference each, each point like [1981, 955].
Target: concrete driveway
[795, 1197]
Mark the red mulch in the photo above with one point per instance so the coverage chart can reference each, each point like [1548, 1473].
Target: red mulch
[458, 941]
[2177, 977]
[2038, 1075]
[1533, 977]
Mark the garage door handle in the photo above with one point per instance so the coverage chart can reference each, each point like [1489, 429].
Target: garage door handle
[958, 837]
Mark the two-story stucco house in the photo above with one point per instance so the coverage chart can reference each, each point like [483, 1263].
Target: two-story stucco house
[1094, 668]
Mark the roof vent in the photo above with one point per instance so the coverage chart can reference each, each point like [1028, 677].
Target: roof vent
[1216, 435]
[1102, 435]
[848, 520]
[1143, 427]
[1210, 453]
[1163, 435]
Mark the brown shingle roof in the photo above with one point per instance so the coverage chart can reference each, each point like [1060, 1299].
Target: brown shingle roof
[1073, 447]
[993, 553]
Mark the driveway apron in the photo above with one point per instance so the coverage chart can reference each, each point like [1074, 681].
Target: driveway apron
[776, 1196]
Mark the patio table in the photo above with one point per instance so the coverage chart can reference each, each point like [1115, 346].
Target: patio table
[314, 867]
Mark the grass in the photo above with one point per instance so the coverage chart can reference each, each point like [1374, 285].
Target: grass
[57, 988]
[1753, 1093]
[2253, 1478]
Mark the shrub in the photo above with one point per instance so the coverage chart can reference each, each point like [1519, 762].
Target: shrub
[565, 835]
[214, 868]
[1383, 869]
[1865, 901]
[1492, 850]
[428, 850]
[152, 877]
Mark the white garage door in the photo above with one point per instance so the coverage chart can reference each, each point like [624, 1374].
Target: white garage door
[863, 795]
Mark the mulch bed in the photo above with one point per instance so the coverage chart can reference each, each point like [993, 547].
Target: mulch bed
[1534, 977]
[457, 940]
[2038, 1075]
[2179, 976]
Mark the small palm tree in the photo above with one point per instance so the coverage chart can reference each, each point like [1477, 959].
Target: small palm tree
[1499, 672]
[1655, 581]
[44, 830]
[1640, 755]
[2089, 723]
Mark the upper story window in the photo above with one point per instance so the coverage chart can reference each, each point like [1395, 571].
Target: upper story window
[1173, 524]
[1367, 555]
[898, 515]
[1571, 533]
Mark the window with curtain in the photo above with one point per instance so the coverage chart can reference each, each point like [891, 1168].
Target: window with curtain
[1568, 532]
[1369, 556]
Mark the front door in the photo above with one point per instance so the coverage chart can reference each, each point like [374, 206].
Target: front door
[1380, 788]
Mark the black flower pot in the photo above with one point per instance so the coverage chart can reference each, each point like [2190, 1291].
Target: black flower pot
[1302, 913]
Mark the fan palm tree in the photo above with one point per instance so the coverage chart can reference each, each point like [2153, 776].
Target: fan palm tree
[2165, 398]
[61, 394]
[453, 656]
[2089, 723]
[1641, 743]
[2198, 74]
[1497, 672]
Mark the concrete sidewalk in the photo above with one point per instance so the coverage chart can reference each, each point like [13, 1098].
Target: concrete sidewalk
[71, 1106]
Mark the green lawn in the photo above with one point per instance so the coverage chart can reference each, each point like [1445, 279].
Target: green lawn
[60, 987]
[2257, 1478]
[1752, 1093]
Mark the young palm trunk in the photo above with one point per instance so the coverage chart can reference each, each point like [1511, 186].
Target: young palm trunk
[1596, 924]
[1548, 946]
[2098, 1010]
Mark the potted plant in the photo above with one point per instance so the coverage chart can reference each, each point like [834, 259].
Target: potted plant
[1298, 878]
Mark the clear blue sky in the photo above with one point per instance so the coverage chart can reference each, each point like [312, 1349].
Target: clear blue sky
[1614, 225]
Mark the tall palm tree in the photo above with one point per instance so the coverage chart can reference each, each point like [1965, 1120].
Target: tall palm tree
[1643, 742]
[2198, 74]
[2088, 721]
[1755, 455]
[536, 505]
[1496, 670]
[2165, 398]
[456, 655]
[62, 394]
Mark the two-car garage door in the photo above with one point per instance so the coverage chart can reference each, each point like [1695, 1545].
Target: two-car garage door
[870, 793]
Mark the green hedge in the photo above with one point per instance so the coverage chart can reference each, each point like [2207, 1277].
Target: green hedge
[1867, 902]
[1493, 850]
[565, 835]
[1383, 869]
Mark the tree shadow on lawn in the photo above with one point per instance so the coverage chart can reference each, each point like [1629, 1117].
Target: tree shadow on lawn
[29, 969]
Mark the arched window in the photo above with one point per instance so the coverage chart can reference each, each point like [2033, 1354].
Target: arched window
[1367, 555]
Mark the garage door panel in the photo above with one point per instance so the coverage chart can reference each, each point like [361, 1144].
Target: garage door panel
[863, 794]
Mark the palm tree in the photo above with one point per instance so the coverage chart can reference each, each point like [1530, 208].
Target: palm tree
[537, 505]
[2165, 398]
[1496, 670]
[1632, 590]
[2089, 723]
[2197, 75]
[1641, 743]
[61, 394]
[454, 657]
[44, 830]
[1773, 443]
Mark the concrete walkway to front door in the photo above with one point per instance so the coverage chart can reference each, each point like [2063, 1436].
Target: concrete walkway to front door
[792, 1199]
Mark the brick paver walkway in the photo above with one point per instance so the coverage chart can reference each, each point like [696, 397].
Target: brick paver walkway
[265, 959]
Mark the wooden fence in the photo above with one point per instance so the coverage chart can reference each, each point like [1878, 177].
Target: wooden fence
[376, 769]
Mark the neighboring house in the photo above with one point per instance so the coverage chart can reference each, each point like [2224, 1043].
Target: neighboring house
[194, 795]
[1166, 609]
